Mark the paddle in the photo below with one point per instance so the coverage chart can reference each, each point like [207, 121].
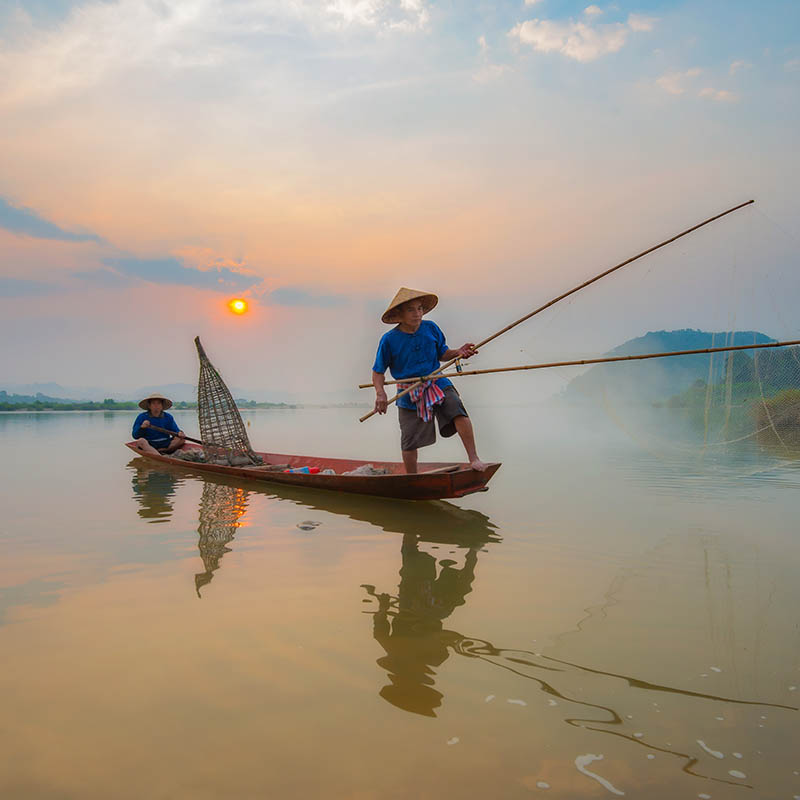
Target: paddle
[188, 438]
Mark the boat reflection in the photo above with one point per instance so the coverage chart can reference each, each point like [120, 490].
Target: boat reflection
[224, 501]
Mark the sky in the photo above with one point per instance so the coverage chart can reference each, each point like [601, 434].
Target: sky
[312, 156]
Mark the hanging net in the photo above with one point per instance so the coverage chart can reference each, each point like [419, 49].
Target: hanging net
[221, 427]
[733, 283]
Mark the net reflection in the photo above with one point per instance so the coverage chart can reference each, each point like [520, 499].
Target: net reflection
[222, 506]
[221, 510]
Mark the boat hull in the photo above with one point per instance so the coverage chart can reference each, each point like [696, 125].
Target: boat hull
[458, 481]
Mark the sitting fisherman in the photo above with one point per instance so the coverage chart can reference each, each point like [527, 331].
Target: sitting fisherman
[155, 413]
[412, 350]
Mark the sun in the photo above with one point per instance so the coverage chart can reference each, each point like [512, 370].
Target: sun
[237, 305]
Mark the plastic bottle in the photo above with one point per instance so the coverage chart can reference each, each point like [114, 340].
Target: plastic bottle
[303, 470]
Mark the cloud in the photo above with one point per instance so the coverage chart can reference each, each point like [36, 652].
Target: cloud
[171, 271]
[488, 71]
[18, 287]
[532, 2]
[292, 296]
[408, 15]
[99, 41]
[104, 278]
[738, 66]
[793, 65]
[720, 95]
[676, 82]
[593, 11]
[579, 40]
[27, 222]
[640, 23]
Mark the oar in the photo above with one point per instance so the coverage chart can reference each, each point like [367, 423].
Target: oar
[606, 360]
[188, 438]
[562, 296]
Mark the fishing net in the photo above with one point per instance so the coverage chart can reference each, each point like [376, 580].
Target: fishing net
[733, 283]
[221, 427]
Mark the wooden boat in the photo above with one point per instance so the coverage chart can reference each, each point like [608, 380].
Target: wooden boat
[434, 481]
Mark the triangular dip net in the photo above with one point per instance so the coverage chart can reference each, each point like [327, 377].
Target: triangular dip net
[732, 284]
[221, 427]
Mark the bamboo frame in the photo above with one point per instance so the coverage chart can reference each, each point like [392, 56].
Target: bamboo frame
[563, 296]
[606, 360]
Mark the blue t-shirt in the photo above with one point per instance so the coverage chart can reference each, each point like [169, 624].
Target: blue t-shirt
[412, 355]
[158, 440]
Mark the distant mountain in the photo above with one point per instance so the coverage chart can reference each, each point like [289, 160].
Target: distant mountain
[178, 392]
[647, 381]
[5, 397]
[56, 390]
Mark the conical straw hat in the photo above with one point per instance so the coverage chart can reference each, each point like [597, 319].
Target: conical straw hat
[155, 396]
[429, 302]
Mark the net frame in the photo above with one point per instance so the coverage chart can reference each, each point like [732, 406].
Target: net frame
[221, 427]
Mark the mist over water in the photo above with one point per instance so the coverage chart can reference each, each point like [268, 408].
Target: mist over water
[616, 593]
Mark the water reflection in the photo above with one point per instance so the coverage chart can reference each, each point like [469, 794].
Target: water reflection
[221, 510]
[646, 714]
[224, 502]
[409, 626]
[154, 489]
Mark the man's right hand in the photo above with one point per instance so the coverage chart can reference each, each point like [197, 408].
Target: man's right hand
[381, 402]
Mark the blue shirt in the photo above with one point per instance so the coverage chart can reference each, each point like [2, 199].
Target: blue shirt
[158, 440]
[412, 355]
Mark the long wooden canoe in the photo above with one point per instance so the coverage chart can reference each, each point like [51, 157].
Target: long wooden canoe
[434, 481]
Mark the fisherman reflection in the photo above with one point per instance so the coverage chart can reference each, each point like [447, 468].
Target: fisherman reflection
[221, 509]
[410, 629]
[154, 491]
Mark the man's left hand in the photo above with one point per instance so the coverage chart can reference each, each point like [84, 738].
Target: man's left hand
[181, 435]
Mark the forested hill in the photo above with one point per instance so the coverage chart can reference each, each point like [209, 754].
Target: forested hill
[663, 377]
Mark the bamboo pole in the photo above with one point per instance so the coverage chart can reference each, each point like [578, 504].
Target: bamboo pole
[606, 360]
[563, 296]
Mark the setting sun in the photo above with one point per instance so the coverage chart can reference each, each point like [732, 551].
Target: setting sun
[238, 306]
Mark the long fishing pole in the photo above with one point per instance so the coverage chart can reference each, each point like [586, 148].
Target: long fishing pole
[606, 360]
[564, 295]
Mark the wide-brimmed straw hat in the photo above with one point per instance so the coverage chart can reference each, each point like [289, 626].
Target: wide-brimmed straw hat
[155, 396]
[429, 302]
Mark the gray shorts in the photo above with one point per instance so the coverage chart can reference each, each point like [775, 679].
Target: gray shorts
[414, 433]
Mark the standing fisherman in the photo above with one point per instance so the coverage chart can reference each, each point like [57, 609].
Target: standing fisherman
[412, 349]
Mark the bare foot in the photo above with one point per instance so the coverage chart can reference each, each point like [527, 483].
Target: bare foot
[478, 465]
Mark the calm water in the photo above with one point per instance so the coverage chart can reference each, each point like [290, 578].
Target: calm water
[610, 618]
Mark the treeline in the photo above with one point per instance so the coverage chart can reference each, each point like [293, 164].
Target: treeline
[52, 404]
[67, 405]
